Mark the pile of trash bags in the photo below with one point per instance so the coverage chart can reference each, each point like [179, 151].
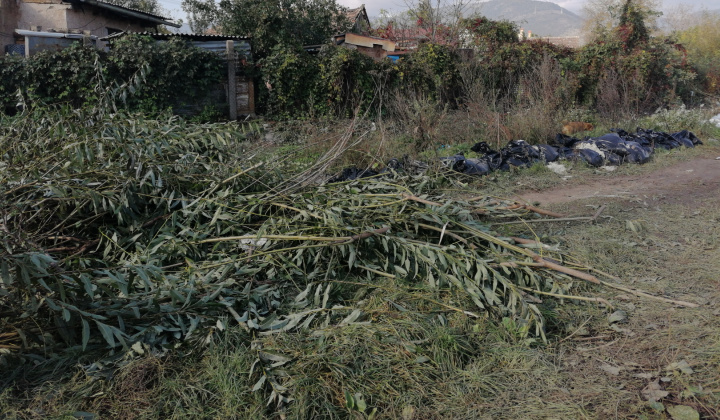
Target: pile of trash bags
[614, 148]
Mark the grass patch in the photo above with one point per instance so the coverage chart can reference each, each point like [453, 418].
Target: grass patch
[411, 357]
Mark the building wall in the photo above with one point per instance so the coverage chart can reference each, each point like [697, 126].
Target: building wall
[97, 22]
[375, 53]
[47, 14]
[55, 15]
[9, 14]
[369, 42]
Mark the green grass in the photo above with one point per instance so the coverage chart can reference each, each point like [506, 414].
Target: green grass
[408, 360]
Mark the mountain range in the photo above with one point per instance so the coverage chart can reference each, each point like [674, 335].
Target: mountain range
[542, 18]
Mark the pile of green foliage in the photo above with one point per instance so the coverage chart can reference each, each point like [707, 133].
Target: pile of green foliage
[173, 73]
[121, 233]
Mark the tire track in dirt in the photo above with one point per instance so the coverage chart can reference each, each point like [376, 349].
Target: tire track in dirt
[681, 183]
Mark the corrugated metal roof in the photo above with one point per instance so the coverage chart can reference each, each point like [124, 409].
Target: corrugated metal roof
[129, 11]
[215, 43]
[127, 8]
[190, 36]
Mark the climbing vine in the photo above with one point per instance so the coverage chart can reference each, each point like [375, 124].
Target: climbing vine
[173, 73]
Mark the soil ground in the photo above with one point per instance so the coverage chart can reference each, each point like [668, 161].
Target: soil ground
[659, 233]
[684, 183]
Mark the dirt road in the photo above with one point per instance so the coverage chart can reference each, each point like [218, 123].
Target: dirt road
[681, 183]
[660, 233]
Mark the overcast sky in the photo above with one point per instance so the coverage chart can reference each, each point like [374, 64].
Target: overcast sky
[373, 6]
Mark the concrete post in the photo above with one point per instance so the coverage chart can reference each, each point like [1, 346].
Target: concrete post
[232, 80]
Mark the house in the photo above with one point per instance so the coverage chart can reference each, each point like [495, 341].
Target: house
[355, 35]
[377, 48]
[358, 21]
[574, 42]
[27, 26]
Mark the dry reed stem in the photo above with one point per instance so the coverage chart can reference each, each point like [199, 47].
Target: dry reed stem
[534, 209]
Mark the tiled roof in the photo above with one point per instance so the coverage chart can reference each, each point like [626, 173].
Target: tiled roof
[352, 14]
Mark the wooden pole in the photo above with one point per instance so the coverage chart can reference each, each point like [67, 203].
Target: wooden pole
[232, 80]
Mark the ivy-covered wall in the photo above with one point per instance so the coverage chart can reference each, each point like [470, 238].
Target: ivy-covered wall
[172, 74]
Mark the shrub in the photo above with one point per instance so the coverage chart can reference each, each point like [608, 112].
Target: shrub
[174, 73]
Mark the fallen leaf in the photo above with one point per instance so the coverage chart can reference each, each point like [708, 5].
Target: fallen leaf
[654, 392]
[657, 406]
[683, 366]
[610, 369]
[618, 316]
[683, 412]
[625, 331]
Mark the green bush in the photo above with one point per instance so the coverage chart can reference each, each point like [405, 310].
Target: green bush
[174, 73]
[431, 71]
[179, 73]
[347, 79]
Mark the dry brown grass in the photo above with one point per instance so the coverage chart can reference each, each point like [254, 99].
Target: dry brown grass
[675, 253]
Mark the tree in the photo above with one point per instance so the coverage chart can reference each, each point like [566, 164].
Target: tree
[624, 70]
[269, 22]
[147, 6]
[700, 41]
[435, 21]
[603, 15]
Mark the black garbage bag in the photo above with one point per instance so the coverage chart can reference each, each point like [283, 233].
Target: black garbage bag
[561, 140]
[592, 157]
[549, 153]
[459, 163]
[520, 153]
[566, 153]
[494, 159]
[395, 164]
[612, 159]
[516, 153]
[627, 150]
[482, 148]
[476, 167]
[686, 138]
[349, 174]
[655, 139]
[455, 162]
[637, 153]
[639, 138]
[611, 142]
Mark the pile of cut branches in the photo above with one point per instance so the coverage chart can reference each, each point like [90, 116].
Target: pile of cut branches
[119, 232]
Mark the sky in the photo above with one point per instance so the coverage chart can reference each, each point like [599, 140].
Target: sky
[373, 6]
